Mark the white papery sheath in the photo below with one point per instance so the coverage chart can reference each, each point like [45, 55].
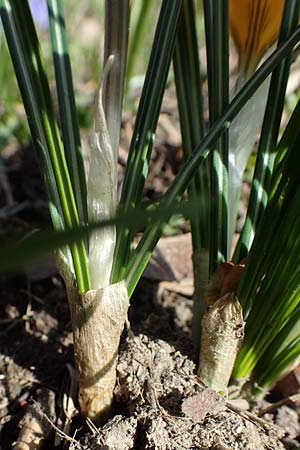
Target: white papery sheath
[243, 134]
[102, 194]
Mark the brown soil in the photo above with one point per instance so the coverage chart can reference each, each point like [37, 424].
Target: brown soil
[156, 373]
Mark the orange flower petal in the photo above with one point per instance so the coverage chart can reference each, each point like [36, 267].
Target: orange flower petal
[255, 25]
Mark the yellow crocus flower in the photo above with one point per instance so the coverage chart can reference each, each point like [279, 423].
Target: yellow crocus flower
[255, 26]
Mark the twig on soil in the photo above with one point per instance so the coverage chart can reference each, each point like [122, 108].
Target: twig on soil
[14, 322]
[10, 211]
[60, 433]
[32, 296]
[92, 426]
[291, 399]
[254, 419]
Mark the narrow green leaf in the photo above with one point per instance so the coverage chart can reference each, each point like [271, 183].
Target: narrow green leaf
[189, 96]
[17, 254]
[20, 61]
[281, 201]
[217, 49]
[117, 14]
[288, 140]
[269, 135]
[67, 106]
[279, 367]
[142, 254]
[31, 75]
[279, 356]
[269, 291]
[145, 126]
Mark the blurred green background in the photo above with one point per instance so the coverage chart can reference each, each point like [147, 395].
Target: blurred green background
[85, 28]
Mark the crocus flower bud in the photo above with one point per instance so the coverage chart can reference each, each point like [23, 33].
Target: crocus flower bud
[255, 25]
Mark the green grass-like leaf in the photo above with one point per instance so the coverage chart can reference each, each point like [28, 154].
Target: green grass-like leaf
[189, 94]
[67, 106]
[19, 253]
[217, 50]
[31, 75]
[278, 359]
[142, 254]
[188, 83]
[268, 140]
[145, 126]
[117, 14]
[269, 291]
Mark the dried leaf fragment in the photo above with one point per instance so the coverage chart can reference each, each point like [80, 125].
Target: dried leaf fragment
[225, 281]
[207, 402]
